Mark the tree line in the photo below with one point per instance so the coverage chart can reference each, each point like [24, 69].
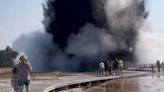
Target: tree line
[6, 57]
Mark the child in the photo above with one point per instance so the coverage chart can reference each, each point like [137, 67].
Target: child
[15, 79]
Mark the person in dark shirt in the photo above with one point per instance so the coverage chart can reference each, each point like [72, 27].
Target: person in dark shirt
[158, 66]
[115, 66]
[15, 79]
[110, 67]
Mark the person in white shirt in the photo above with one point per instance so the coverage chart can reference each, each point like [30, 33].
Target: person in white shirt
[102, 68]
[120, 66]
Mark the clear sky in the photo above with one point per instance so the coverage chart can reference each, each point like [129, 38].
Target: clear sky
[18, 17]
[23, 16]
[156, 14]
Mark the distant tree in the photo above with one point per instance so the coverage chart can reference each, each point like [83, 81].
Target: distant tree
[6, 57]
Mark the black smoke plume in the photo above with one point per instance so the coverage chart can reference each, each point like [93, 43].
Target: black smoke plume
[120, 18]
[79, 33]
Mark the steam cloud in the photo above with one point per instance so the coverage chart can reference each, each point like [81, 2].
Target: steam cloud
[91, 42]
[38, 47]
[149, 46]
[78, 36]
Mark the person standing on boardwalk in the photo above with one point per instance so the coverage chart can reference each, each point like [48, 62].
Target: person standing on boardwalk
[120, 66]
[102, 68]
[15, 80]
[162, 66]
[110, 67]
[115, 66]
[24, 69]
[152, 68]
[158, 66]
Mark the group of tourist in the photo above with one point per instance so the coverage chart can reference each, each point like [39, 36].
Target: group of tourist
[111, 67]
[21, 75]
[160, 66]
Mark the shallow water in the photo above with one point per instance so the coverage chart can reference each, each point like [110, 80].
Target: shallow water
[139, 84]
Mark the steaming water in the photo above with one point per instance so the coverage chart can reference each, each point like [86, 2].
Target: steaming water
[140, 84]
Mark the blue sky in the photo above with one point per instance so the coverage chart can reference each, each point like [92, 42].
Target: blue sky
[18, 17]
[22, 16]
[156, 14]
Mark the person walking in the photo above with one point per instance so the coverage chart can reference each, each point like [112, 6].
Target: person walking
[102, 68]
[158, 66]
[24, 69]
[15, 80]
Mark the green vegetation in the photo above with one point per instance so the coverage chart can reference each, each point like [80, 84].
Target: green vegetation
[6, 57]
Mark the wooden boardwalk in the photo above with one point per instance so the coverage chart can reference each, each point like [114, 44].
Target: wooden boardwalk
[44, 85]
[90, 81]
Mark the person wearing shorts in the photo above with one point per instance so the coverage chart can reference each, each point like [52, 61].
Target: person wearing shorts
[23, 83]
[24, 69]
